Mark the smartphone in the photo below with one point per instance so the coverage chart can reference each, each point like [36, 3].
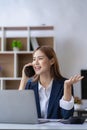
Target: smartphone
[29, 71]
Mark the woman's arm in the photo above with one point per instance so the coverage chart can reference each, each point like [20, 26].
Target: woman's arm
[24, 78]
[68, 86]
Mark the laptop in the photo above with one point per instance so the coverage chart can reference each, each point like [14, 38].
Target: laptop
[18, 106]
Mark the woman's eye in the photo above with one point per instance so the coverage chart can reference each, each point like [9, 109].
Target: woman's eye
[41, 58]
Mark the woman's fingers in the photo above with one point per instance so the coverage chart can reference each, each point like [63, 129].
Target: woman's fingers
[74, 79]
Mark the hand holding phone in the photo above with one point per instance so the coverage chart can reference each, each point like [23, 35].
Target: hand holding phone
[29, 71]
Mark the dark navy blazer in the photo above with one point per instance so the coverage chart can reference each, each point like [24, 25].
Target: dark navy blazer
[54, 110]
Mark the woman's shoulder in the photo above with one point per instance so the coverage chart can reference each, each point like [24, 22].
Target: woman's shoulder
[30, 80]
[30, 84]
[61, 80]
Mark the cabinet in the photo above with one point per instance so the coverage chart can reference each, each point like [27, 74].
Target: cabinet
[12, 62]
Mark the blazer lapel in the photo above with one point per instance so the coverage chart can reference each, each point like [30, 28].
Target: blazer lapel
[35, 88]
[54, 92]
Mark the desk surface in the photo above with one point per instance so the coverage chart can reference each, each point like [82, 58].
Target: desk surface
[49, 126]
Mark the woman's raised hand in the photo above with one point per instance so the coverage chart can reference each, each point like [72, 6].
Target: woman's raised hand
[68, 86]
[73, 79]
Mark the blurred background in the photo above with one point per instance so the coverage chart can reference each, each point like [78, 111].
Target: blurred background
[69, 18]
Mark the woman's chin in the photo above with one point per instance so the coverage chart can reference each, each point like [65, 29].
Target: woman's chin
[37, 73]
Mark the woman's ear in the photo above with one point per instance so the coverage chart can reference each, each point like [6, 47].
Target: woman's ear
[52, 61]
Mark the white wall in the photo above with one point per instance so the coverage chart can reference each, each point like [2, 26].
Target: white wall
[69, 18]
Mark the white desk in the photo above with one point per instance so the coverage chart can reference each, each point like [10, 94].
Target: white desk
[48, 126]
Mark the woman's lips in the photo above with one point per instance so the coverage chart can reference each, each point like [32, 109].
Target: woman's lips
[37, 68]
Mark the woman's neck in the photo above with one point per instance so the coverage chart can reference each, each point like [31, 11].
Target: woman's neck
[45, 80]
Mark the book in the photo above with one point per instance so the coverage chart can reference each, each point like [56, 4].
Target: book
[34, 43]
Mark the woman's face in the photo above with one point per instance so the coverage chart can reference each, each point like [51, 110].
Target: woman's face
[41, 63]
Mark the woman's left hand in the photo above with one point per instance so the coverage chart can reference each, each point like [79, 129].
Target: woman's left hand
[73, 80]
[68, 86]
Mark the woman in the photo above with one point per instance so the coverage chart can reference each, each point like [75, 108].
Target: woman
[53, 92]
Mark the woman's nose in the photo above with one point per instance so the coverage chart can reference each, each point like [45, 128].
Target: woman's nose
[36, 62]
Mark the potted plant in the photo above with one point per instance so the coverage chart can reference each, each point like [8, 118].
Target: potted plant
[77, 103]
[16, 45]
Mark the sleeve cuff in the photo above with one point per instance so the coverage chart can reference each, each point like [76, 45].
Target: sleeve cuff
[67, 105]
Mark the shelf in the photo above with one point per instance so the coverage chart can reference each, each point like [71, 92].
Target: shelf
[7, 64]
[12, 84]
[9, 44]
[15, 32]
[43, 31]
[46, 41]
[12, 62]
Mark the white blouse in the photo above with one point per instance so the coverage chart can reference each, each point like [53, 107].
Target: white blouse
[44, 95]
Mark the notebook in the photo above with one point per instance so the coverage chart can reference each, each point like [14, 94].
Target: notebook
[18, 106]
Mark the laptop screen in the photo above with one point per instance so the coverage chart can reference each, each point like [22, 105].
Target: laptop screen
[18, 106]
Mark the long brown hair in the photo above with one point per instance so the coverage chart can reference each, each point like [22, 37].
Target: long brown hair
[50, 53]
